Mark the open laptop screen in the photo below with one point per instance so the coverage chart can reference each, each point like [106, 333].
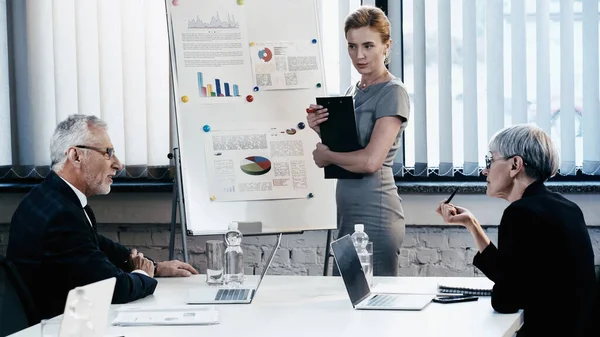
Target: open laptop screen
[350, 269]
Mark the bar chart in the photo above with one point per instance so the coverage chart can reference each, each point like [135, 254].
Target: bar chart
[216, 88]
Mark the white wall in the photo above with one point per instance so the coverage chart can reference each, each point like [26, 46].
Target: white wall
[124, 208]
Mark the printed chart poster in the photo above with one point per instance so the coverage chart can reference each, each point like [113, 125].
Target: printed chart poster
[255, 165]
[285, 65]
[213, 64]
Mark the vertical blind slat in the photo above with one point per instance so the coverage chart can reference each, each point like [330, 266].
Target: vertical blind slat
[494, 67]
[65, 58]
[87, 57]
[395, 17]
[567, 101]
[420, 115]
[21, 88]
[111, 71]
[157, 81]
[445, 87]
[590, 121]
[41, 77]
[134, 82]
[518, 33]
[471, 159]
[5, 136]
[543, 99]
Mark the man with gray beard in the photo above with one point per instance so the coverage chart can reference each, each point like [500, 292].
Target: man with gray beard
[53, 236]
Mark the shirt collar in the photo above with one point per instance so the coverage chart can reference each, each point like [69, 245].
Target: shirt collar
[78, 193]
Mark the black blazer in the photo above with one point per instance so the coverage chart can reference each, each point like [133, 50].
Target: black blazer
[55, 249]
[544, 264]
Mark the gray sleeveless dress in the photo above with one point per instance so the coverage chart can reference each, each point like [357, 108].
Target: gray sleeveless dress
[373, 200]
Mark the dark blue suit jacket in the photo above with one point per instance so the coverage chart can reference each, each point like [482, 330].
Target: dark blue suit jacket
[55, 249]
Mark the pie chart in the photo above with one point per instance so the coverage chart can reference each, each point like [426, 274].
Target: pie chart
[255, 165]
[265, 54]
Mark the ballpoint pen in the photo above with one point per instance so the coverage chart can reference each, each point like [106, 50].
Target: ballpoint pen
[451, 196]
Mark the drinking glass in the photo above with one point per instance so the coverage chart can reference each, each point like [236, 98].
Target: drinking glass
[215, 262]
[50, 327]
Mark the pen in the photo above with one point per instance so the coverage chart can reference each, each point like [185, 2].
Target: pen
[451, 196]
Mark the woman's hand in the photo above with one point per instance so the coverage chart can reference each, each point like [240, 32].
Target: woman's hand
[455, 214]
[317, 116]
[320, 155]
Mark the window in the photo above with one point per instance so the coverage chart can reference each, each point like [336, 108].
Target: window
[107, 58]
[473, 67]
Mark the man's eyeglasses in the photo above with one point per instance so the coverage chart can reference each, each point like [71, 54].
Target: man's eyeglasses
[109, 151]
[489, 160]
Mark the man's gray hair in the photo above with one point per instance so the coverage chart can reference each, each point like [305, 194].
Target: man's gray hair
[530, 143]
[75, 130]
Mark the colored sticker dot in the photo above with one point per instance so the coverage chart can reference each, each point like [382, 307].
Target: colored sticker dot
[256, 88]
[249, 98]
[175, 3]
[318, 85]
[206, 128]
[213, 198]
[301, 125]
[240, 2]
[252, 44]
[310, 195]
[290, 131]
[184, 99]
[314, 41]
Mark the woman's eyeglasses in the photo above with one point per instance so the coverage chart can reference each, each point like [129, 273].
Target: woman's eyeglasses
[489, 160]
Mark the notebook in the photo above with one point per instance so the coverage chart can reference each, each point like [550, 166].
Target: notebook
[339, 132]
[358, 288]
[465, 291]
[140, 316]
[242, 295]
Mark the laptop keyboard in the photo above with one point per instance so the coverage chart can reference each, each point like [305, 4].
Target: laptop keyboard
[232, 294]
[382, 301]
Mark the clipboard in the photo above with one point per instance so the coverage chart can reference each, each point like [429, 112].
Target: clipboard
[339, 133]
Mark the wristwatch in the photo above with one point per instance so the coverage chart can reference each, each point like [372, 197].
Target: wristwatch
[155, 265]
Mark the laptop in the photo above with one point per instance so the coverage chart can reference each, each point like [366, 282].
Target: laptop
[100, 294]
[242, 295]
[358, 288]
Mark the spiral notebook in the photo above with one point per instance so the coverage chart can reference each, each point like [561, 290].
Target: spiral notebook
[465, 291]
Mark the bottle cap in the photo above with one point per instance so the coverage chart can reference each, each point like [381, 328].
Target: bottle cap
[359, 228]
[233, 225]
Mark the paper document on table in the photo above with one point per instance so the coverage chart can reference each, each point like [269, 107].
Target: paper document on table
[136, 316]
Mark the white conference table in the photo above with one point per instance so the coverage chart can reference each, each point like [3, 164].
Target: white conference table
[294, 306]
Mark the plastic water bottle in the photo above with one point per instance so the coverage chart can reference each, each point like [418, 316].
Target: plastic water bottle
[234, 257]
[360, 239]
[80, 315]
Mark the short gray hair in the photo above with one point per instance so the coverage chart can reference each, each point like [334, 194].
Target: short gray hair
[75, 130]
[530, 143]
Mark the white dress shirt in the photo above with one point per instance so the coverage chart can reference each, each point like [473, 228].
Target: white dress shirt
[83, 199]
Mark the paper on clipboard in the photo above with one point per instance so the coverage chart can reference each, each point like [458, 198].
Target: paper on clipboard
[139, 316]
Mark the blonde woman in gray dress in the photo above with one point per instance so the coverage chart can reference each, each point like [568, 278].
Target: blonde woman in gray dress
[381, 111]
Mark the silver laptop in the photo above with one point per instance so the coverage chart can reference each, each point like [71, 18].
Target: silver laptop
[230, 295]
[358, 288]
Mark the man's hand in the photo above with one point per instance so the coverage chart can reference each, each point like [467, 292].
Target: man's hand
[142, 263]
[174, 268]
